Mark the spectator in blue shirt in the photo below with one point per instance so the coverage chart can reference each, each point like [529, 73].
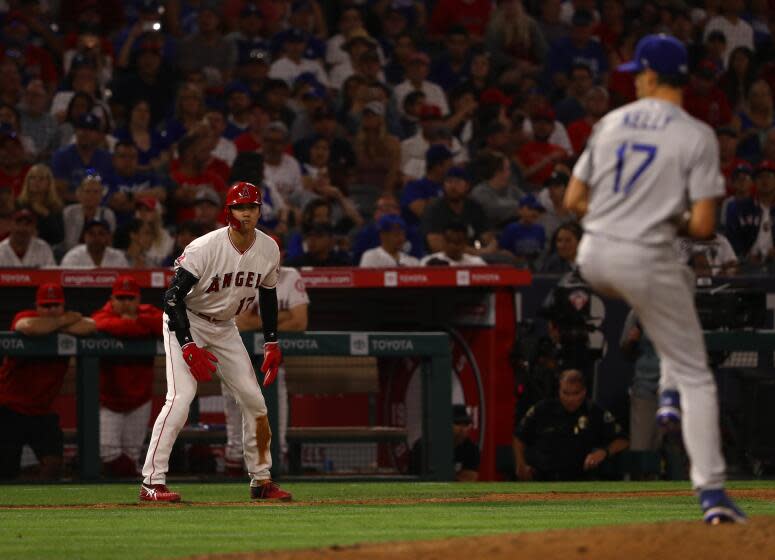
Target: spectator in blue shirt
[451, 69]
[749, 221]
[126, 182]
[580, 82]
[253, 65]
[417, 194]
[525, 239]
[578, 48]
[148, 22]
[70, 164]
[151, 146]
[368, 236]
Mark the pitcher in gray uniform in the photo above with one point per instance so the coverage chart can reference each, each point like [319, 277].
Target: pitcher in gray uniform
[650, 170]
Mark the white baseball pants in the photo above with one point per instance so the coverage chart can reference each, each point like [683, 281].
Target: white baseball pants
[235, 426]
[123, 432]
[235, 369]
[661, 291]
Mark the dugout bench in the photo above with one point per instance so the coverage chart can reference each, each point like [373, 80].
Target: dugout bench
[432, 347]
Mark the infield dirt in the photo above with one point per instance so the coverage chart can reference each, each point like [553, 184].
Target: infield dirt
[686, 540]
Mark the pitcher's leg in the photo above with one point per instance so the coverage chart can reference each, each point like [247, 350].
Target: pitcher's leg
[181, 389]
[670, 319]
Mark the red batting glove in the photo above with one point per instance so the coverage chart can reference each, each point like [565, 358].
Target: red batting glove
[200, 361]
[272, 360]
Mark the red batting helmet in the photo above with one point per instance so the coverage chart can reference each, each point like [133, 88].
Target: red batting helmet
[241, 192]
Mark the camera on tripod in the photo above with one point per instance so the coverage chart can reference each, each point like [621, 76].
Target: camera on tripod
[731, 308]
[568, 307]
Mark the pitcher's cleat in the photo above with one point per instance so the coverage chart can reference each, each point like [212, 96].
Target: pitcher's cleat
[718, 508]
[669, 411]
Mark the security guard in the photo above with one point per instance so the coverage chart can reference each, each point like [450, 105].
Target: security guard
[566, 438]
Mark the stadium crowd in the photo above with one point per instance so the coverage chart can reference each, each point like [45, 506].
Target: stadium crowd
[434, 132]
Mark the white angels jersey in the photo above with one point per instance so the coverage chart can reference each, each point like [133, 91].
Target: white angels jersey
[291, 291]
[228, 278]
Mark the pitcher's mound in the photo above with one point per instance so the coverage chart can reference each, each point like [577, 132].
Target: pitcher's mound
[685, 540]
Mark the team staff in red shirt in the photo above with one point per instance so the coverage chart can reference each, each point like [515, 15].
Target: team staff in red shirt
[28, 387]
[126, 383]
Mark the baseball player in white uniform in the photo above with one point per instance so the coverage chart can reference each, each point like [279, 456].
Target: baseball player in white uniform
[215, 279]
[648, 171]
[293, 303]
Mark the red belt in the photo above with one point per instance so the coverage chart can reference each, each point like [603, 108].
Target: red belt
[207, 317]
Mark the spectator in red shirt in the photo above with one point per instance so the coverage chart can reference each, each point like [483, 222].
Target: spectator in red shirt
[611, 25]
[11, 85]
[28, 387]
[126, 383]
[34, 62]
[728, 140]
[704, 100]
[536, 158]
[250, 140]
[214, 164]
[621, 85]
[190, 174]
[13, 165]
[595, 106]
[471, 14]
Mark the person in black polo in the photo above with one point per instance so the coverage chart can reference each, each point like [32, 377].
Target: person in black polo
[567, 438]
[456, 206]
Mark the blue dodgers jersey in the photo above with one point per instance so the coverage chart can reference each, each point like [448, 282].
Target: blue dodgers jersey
[645, 163]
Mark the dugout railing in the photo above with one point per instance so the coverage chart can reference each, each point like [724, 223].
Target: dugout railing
[433, 348]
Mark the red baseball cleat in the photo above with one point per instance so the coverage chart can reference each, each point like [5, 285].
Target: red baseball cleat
[157, 493]
[269, 490]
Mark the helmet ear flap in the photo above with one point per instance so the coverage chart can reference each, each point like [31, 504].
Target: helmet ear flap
[232, 221]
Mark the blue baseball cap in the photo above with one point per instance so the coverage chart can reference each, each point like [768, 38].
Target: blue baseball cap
[316, 88]
[389, 221]
[89, 121]
[458, 173]
[253, 52]
[664, 54]
[96, 223]
[530, 201]
[437, 153]
[236, 86]
[7, 131]
[300, 5]
[251, 9]
[294, 35]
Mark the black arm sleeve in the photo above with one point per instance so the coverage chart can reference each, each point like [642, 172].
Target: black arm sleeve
[267, 304]
[175, 305]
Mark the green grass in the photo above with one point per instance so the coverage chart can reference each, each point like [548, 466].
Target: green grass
[168, 532]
